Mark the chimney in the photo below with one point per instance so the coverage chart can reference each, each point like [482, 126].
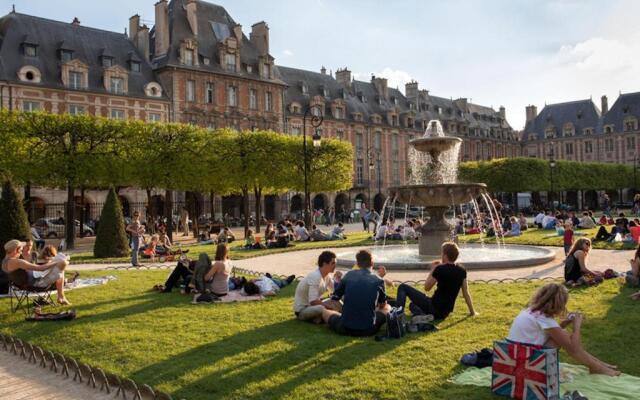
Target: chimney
[161, 29]
[75, 22]
[237, 32]
[259, 37]
[503, 112]
[411, 90]
[191, 7]
[605, 104]
[134, 25]
[343, 76]
[323, 70]
[381, 86]
[142, 41]
[462, 103]
[532, 112]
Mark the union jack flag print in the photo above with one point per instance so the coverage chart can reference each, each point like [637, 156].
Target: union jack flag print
[525, 372]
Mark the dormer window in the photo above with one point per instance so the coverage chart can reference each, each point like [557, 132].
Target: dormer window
[117, 86]
[135, 66]
[66, 55]
[107, 61]
[339, 114]
[188, 57]
[266, 71]
[249, 69]
[395, 100]
[230, 62]
[76, 80]
[325, 92]
[625, 109]
[30, 50]
[305, 88]
[315, 111]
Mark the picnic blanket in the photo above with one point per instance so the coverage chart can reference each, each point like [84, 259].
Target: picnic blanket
[572, 377]
[232, 297]
[82, 283]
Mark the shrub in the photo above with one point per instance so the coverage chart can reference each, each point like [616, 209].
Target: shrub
[111, 238]
[13, 218]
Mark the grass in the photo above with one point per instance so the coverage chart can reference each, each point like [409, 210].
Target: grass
[258, 351]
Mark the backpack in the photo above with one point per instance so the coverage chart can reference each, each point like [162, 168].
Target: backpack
[396, 326]
[478, 359]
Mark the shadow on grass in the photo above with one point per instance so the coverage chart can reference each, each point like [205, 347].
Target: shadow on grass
[267, 362]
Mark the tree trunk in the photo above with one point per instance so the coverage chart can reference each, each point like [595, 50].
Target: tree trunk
[168, 212]
[212, 201]
[245, 205]
[258, 194]
[82, 213]
[69, 217]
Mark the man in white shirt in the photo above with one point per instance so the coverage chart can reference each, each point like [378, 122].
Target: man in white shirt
[302, 233]
[549, 221]
[308, 304]
[538, 219]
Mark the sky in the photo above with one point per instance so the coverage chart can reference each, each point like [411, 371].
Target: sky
[493, 52]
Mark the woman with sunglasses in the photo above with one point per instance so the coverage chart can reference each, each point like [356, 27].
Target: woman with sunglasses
[575, 265]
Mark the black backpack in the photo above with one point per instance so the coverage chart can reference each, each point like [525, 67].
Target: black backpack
[396, 325]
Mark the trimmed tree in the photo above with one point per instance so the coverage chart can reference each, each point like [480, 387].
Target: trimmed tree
[111, 239]
[13, 218]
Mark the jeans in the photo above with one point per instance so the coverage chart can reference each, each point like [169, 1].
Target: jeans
[280, 282]
[417, 297]
[310, 313]
[180, 271]
[135, 248]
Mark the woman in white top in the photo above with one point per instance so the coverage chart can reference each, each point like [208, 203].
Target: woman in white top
[536, 326]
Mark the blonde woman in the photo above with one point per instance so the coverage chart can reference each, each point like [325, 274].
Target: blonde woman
[536, 325]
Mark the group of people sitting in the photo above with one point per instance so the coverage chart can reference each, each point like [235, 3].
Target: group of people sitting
[212, 280]
[28, 269]
[389, 231]
[623, 229]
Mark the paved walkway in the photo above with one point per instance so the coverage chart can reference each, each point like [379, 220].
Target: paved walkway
[20, 380]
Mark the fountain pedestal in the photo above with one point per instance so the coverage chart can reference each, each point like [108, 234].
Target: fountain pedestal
[435, 232]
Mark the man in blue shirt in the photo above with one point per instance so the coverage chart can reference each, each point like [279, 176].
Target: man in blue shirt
[365, 301]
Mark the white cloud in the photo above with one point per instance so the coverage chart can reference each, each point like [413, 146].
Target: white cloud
[287, 53]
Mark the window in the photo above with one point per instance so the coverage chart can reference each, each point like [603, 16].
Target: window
[107, 62]
[608, 145]
[550, 133]
[253, 99]
[266, 71]
[295, 130]
[340, 134]
[396, 172]
[588, 131]
[232, 96]
[188, 57]
[76, 80]
[394, 120]
[305, 89]
[394, 144]
[359, 171]
[316, 111]
[154, 117]
[230, 62]
[631, 143]
[30, 50]
[568, 131]
[117, 86]
[359, 141]
[30, 106]
[210, 93]
[66, 55]
[75, 109]
[191, 91]
[568, 148]
[378, 141]
[117, 114]
[135, 66]
[268, 103]
[339, 113]
[629, 126]
[588, 147]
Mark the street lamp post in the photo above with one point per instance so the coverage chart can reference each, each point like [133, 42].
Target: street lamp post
[316, 121]
[373, 153]
[552, 166]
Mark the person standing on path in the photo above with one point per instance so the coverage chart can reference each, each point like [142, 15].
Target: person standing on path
[136, 229]
[184, 221]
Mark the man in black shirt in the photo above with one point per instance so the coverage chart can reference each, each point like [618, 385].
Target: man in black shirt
[365, 301]
[450, 278]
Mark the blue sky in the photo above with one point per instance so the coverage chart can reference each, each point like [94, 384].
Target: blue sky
[495, 52]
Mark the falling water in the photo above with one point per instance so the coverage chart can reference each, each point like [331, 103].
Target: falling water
[393, 208]
[497, 214]
[494, 217]
[478, 220]
[424, 169]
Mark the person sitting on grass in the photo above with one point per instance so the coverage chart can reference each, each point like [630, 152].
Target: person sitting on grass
[586, 222]
[382, 232]
[266, 285]
[338, 232]
[409, 232]
[183, 271]
[549, 221]
[317, 235]
[365, 301]
[576, 272]
[632, 277]
[218, 276]
[449, 277]
[515, 228]
[537, 221]
[308, 304]
[250, 242]
[21, 272]
[536, 326]
[226, 236]
[301, 232]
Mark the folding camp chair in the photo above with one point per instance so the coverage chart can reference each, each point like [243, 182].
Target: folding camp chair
[21, 296]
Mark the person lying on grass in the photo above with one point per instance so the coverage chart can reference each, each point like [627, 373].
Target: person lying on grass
[449, 278]
[536, 326]
[309, 304]
[365, 301]
[266, 285]
[21, 272]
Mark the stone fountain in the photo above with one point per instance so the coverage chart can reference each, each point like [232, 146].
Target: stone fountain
[434, 186]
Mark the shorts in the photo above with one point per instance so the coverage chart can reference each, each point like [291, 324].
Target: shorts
[336, 324]
[48, 278]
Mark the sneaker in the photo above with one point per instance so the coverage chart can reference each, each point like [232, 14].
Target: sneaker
[290, 279]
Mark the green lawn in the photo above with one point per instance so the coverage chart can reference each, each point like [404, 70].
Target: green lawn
[258, 351]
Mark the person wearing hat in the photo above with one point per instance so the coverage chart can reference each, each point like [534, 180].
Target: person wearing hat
[21, 271]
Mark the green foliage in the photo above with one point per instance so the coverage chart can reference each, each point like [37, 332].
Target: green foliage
[13, 218]
[532, 175]
[111, 238]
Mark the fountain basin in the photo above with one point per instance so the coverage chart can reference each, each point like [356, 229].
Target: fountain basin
[472, 256]
[438, 144]
[437, 195]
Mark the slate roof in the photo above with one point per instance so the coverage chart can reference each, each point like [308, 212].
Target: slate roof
[214, 25]
[626, 105]
[581, 113]
[88, 44]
